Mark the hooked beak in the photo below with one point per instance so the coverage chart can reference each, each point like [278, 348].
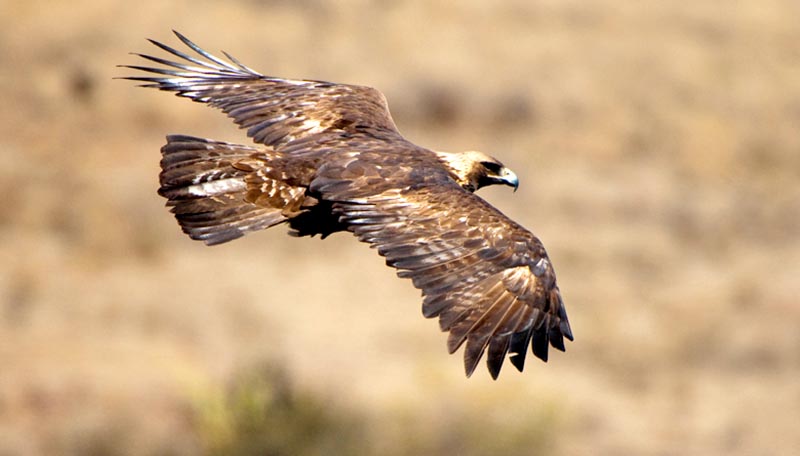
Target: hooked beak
[509, 178]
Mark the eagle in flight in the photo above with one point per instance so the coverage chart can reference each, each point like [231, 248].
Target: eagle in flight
[330, 158]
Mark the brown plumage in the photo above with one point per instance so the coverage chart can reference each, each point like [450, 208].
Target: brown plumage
[330, 159]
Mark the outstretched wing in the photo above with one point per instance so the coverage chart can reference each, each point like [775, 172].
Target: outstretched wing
[488, 279]
[275, 111]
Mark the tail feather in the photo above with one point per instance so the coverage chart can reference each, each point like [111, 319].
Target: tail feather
[187, 160]
[207, 192]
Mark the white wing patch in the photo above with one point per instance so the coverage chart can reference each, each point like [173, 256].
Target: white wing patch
[217, 187]
[293, 81]
[311, 126]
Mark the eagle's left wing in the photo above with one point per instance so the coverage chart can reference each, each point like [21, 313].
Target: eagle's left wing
[275, 111]
[488, 279]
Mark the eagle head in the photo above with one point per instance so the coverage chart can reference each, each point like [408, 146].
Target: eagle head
[473, 170]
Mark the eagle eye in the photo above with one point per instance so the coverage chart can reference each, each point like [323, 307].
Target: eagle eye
[493, 167]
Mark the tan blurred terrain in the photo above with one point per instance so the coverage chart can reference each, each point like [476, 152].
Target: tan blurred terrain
[658, 145]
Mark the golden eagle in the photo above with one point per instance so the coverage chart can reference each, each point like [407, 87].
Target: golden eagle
[330, 159]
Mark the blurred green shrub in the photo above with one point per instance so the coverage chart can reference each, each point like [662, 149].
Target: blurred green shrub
[262, 412]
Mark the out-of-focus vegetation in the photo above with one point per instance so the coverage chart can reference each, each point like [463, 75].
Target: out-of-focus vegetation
[658, 148]
[262, 412]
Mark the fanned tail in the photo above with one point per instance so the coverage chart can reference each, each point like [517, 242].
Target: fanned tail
[207, 189]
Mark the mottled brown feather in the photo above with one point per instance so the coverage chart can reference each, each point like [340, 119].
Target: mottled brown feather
[219, 191]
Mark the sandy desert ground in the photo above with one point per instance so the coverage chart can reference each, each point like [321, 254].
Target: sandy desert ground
[658, 145]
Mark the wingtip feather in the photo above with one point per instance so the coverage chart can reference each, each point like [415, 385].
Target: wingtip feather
[539, 345]
[519, 348]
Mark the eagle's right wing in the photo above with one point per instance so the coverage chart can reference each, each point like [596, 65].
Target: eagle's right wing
[488, 279]
[275, 111]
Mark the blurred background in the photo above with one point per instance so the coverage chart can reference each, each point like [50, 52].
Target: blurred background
[658, 144]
